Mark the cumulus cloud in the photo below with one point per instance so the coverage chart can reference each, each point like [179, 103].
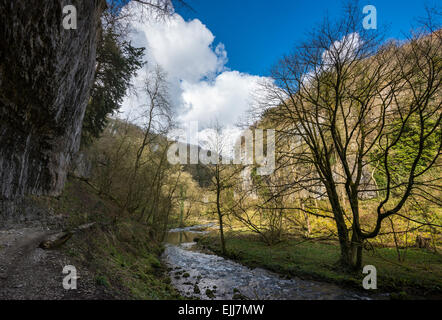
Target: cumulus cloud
[201, 87]
[183, 49]
[225, 98]
[344, 50]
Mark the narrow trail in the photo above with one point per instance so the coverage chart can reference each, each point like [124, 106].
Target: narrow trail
[208, 276]
[29, 272]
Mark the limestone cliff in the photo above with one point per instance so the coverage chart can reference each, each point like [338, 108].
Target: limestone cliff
[45, 76]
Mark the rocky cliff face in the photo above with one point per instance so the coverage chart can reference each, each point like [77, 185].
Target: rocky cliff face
[45, 76]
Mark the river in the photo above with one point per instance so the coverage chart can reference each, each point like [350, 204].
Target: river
[201, 275]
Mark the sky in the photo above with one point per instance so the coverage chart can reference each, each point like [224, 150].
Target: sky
[256, 33]
[217, 54]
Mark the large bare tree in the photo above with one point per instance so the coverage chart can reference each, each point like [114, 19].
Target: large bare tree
[346, 104]
[221, 173]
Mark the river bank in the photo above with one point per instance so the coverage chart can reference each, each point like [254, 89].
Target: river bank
[419, 276]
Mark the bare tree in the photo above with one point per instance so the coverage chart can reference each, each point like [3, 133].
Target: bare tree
[345, 105]
[221, 173]
[259, 206]
[164, 6]
[120, 14]
[156, 122]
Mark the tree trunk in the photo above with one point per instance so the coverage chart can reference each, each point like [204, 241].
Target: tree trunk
[220, 219]
[356, 252]
[221, 233]
[57, 239]
[307, 223]
[351, 249]
[181, 206]
[344, 243]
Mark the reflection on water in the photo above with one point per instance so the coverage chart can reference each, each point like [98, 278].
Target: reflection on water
[178, 238]
[188, 234]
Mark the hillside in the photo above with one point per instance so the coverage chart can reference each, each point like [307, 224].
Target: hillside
[114, 260]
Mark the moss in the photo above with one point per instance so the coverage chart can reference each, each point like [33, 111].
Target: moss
[239, 296]
[102, 281]
[123, 257]
[210, 294]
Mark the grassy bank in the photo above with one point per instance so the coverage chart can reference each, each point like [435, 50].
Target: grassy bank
[120, 252]
[419, 275]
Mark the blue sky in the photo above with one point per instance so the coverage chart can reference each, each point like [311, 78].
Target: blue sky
[258, 32]
[217, 56]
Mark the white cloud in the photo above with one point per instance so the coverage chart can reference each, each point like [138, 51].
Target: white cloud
[201, 87]
[340, 50]
[183, 49]
[344, 50]
[225, 99]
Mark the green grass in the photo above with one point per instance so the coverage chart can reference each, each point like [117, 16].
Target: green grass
[419, 275]
[130, 267]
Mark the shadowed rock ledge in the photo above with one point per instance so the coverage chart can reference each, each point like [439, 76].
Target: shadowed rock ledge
[45, 76]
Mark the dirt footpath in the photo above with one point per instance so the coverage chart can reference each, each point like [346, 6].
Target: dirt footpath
[29, 272]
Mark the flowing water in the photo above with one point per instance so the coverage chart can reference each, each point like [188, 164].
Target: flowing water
[207, 276]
